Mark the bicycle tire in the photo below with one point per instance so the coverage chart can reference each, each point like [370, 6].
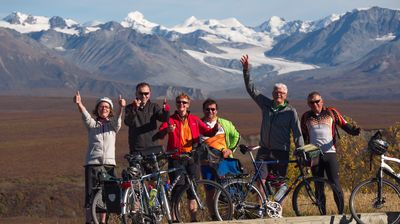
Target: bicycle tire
[310, 198]
[134, 209]
[219, 209]
[363, 199]
[99, 209]
[246, 199]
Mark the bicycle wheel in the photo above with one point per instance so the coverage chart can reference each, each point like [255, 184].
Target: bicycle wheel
[134, 210]
[317, 196]
[246, 198]
[100, 213]
[364, 199]
[207, 207]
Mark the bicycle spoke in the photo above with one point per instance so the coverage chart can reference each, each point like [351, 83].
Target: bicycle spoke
[364, 199]
[315, 196]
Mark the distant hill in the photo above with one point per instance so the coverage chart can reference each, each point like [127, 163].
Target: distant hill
[352, 55]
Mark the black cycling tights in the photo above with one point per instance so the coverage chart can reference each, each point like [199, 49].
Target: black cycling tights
[328, 164]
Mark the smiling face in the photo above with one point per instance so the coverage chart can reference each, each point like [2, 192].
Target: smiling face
[210, 111]
[182, 105]
[315, 102]
[279, 95]
[143, 94]
[103, 110]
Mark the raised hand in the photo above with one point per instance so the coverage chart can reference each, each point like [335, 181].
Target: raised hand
[78, 101]
[121, 101]
[245, 62]
[136, 103]
[77, 98]
[165, 105]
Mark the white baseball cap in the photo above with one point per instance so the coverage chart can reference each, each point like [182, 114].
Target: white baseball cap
[105, 99]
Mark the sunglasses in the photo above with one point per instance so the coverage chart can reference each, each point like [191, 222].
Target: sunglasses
[182, 102]
[144, 93]
[314, 101]
[211, 109]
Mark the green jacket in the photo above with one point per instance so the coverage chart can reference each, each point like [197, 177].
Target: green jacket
[232, 136]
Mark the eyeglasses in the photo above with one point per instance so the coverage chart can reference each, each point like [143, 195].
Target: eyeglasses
[105, 107]
[144, 93]
[182, 102]
[211, 109]
[314, 101]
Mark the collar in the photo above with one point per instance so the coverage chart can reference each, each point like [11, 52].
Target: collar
[276, 108]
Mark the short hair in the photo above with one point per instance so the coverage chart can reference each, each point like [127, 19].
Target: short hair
[313, 93]
[281, 86]
[142, 84]
[182, 95]
[209, 101]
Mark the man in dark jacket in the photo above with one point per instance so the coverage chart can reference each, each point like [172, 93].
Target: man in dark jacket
[279, 120]
[141, 117]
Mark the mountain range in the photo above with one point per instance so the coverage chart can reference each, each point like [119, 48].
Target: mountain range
[349, 56]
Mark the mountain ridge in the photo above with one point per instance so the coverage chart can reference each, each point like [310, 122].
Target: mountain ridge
[204, 54]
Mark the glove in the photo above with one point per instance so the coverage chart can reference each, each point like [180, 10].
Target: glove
[352, 130]
[355, 131]
[166, 107]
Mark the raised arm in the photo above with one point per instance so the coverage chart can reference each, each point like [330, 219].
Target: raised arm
[253, 92]
[122, 104]
[163, 113]
[78, 101]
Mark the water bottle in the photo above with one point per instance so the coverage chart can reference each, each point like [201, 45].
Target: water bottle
[282, 190]
[152, 197]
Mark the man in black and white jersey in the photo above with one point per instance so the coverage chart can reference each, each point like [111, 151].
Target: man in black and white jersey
[318, 126]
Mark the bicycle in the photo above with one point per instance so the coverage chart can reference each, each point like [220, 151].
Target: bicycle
[309, 197]
[137, 197]
[140, 205]
[377, 194]
[105, 204]
[130, 196]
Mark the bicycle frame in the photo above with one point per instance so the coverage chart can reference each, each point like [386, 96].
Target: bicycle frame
[157, 174]
[388, 170]
[267, 189]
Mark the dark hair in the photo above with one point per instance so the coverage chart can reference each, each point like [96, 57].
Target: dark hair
[313, 93]
[209, 101]
[142, 84]
[96, 113]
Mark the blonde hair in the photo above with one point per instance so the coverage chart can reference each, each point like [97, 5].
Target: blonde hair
[182, 95]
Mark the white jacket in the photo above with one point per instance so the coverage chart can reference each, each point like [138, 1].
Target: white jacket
[101, 138]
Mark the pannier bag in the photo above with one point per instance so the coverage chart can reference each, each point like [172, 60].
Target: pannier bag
[309, 154]
[112, 195]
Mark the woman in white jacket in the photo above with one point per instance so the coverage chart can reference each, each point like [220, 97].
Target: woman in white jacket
[102, 131]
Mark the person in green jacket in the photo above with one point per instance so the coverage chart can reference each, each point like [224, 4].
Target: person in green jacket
[220, 146]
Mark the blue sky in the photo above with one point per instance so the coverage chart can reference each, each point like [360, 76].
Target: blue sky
[173, 12]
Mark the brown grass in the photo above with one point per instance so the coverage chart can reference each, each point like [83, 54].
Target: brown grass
[43, 144]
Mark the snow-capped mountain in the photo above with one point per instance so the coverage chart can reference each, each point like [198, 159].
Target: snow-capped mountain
[277, 26]
[204, 53]
[136, 21]
[25, 23]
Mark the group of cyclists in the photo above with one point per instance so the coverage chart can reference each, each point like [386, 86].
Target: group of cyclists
[212, 134]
